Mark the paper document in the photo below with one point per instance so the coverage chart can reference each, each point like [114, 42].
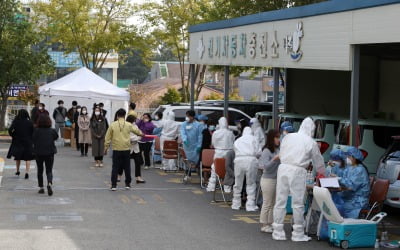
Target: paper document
[329, 182]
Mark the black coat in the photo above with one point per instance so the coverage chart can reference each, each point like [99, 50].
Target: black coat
[43, 141]
[21, 148]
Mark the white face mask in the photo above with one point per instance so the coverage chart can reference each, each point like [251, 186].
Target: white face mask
[40, 108]
[84, 112]
[61, 105]
[349, 162]
[156, 118]
[97, 113]
[79, 110]
[187, 119]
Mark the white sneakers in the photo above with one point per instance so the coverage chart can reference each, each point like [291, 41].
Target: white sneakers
[227, 189]
[267, 229]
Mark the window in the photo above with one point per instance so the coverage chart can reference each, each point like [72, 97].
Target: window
[213, 115]
[180, 114]
[236, 116]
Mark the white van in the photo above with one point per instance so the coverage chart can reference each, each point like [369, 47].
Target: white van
[213, 113]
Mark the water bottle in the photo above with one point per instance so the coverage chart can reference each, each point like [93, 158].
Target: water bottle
[376, 244]
[309, 178]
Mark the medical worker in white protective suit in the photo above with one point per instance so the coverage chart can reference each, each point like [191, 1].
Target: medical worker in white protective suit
[170, 131]
[296, 152]
[247, 149]
[222, 140]
[258, 131]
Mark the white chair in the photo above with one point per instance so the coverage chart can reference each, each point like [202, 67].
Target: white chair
[346, 233]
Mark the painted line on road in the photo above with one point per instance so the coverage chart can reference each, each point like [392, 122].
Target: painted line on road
[245, 219]
[158, 198]
[124, 199]
[103, 188]
[198, 192]
[22, 167]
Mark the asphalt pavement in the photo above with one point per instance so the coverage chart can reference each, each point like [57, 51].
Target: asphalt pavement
[161, 214]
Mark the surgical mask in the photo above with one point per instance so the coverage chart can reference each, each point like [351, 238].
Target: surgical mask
[40, 108]
[79, 110]
[84, 112]
[187, 119]
[156, 118]
[61, 105]
[349, 162]
[97, 113]
[146, 120]
[211, 128]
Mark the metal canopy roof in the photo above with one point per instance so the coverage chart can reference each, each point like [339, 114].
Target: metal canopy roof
[328, 7]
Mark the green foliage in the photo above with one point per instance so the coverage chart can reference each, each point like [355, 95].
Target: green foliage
[234, 95]
[22, 59]
[171, 96]
[254, 98]
[133, 66]
[214, 96]
[94, 28]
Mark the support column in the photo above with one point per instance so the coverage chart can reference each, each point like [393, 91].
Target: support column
[192, 83]
[226, 92]
[275, 104]
[354, 98]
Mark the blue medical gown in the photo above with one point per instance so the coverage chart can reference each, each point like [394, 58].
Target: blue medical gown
[356, 179]
[192, 137]
[338, 171]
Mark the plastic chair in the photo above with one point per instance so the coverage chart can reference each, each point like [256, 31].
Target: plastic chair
[377, 197]
[207, 159]
[157, 149]
[220, 171]
[170, 150]
[182, 159]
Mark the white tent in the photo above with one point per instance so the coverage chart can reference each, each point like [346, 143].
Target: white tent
[86, 88]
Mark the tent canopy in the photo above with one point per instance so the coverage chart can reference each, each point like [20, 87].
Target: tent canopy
[83, 83]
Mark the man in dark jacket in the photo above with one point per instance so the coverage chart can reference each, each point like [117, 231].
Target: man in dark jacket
[59, 115]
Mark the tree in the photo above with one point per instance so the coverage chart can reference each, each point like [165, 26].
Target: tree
[173, 18]
[214, 96]
[171, 96]
[94, 28]
[133, 66]
[22, 60]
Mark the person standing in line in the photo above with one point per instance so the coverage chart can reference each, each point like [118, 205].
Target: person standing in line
[98, 129]
[75, 125]
[147, 127]
[45, 149]
[34, 111]
[296, 152]
[118, 136]
[132, 107]
[71, 111]
[84, 131]
[41, 111]
[269, 163]
[59, 115]
[103, 112]
[247, 149]
[21, 147]
[258, 131]
[192, 137]
[135, 152]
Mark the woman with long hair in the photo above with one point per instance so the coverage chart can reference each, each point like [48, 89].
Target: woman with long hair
[84, 131]
[21, 131]
[147, 127]
[98, 128]
[269, 162]
[44, 149]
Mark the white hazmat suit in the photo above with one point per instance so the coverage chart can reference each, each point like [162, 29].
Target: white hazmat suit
[296, 152]
[247, 149]
[170, 131]
[258, 131]
[222, 140]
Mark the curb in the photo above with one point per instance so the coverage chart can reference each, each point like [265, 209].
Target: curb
[1, 170]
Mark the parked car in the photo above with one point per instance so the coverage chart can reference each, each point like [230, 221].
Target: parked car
[213, 113]
[294, 119]
[265, 119]
[373, 137]
[389, 169]
[249, 108]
